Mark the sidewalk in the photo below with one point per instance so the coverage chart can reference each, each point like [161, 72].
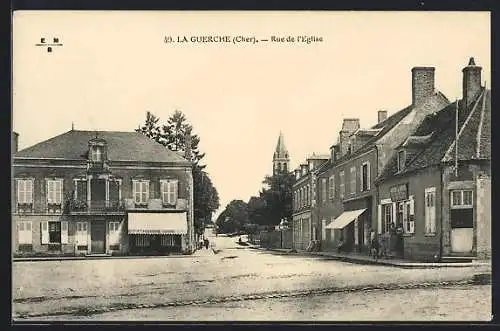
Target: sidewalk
[364, 259]
[100, 257]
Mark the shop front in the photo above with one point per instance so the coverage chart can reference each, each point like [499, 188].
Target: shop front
[157, 233]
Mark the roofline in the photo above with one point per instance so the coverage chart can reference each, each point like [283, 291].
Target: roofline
[446, 156]
[480, 126]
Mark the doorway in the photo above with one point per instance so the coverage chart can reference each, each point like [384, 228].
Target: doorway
[98, 237]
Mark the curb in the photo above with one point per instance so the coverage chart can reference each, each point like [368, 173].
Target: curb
[408, 265]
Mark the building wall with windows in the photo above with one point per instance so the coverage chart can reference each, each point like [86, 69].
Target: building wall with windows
[80, 204]
[418, 209]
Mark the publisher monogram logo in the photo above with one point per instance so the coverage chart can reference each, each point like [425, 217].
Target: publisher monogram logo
[49, 43]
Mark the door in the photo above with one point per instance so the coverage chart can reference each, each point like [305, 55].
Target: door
[462, 221]
[98, 237]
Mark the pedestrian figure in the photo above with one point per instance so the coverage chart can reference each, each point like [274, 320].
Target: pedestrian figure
[375, 248]
[372, 237]
[206, 243]
[239, 240]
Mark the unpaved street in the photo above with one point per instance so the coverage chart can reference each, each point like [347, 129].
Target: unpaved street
[110, 288]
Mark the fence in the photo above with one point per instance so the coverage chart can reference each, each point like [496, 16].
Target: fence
[272, 239]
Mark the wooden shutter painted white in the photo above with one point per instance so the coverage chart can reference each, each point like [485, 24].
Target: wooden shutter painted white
[64, 232]
[412, 226]
[44, 230]
[379, 219]
[394, 214]
[137, 192]
[368, 176]
[28, 232]
[361, 179]
[432, 212]
[412, 206]
[323, 229]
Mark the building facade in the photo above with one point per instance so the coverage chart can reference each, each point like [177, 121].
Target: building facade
[84, 193]
[349, 211]
[437, 188]
[305, 230]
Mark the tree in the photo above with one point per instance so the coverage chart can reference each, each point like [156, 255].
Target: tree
[234, 218]
[173, 136]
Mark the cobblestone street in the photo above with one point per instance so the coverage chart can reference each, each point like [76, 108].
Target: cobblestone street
[231, 285]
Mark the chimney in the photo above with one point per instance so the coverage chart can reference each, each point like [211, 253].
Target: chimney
[422, 84]
[349, 126]
[187, 152]
[382, 116]
[15, 142]
[297, 173]
[471, 82]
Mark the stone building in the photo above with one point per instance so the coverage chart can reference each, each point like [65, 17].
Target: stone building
[437, 186]
[87, 192]
[348, 210]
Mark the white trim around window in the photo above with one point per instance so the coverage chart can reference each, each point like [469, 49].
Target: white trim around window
[368, 177]
[24, 190]
[54, 190]
[140, 191]
[169, 191]
[461, 199]
[24, 233]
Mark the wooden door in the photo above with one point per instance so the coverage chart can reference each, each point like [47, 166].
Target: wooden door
[98, 237]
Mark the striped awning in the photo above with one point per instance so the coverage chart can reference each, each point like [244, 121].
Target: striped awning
[344, 219]
[157, 223]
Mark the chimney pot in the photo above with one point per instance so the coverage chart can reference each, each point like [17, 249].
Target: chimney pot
[471, 82]
[382, 115]
[422, 84]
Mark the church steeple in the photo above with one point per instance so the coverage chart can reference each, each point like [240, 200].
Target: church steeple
[281, 161]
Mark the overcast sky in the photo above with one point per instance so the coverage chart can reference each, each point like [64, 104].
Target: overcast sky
[115, 66]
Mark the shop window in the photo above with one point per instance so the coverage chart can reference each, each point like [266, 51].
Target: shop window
[461, 199]
[387, 217]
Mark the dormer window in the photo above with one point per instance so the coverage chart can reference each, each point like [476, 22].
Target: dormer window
[96, 154]
[401, 160]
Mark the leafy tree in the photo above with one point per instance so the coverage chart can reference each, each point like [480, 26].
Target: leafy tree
[173, 136]
[234, 218]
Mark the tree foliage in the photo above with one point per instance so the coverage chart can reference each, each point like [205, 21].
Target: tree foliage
[173, 136]
[234, 218]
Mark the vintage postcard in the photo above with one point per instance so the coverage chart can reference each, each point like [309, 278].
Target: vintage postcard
[251, 166]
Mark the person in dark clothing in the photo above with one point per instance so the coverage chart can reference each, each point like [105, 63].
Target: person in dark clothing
[206, 243]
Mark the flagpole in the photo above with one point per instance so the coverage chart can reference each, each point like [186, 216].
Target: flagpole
[456, 139]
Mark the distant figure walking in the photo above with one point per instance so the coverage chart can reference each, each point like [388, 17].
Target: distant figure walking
[206, 242]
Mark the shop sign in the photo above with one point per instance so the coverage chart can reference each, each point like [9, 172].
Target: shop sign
[399, 192]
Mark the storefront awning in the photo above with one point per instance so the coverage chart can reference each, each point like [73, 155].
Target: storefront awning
[344, 219]
[157, 223]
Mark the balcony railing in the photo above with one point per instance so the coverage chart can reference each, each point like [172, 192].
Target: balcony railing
[108, 206]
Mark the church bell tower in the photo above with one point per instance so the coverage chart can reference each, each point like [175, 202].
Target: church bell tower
[281, 161]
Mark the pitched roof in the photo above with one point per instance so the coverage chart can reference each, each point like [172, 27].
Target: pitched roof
[474, 136]
[122, 146]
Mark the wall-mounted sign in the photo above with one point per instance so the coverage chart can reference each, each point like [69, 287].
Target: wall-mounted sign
[399, 192]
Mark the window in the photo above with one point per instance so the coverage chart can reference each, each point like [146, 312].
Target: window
[25, 234]
[342, 184]
[308, 195]
[169, 189]
[141, 192]
[430, 210]
[353, 180]
[405, 215]
[96, 154]
[387, 217]
[25, 191]
[114, 233]
[331, 187]
[365, 176]
[323, 190]
[53, 230]
[81, 235]
[54, 191]
[461, 199]
[401, 160]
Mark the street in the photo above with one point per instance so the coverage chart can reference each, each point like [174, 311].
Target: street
[239, 283]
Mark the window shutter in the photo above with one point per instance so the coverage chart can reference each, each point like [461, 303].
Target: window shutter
[175, 189]
[412, 206]
[394, 214]
[44, 230]
[64, 232]
[379, 219]
[360, 178]
[368, 176]
[432, 212]
[412, 226]
[60, 191]
[323, 229]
